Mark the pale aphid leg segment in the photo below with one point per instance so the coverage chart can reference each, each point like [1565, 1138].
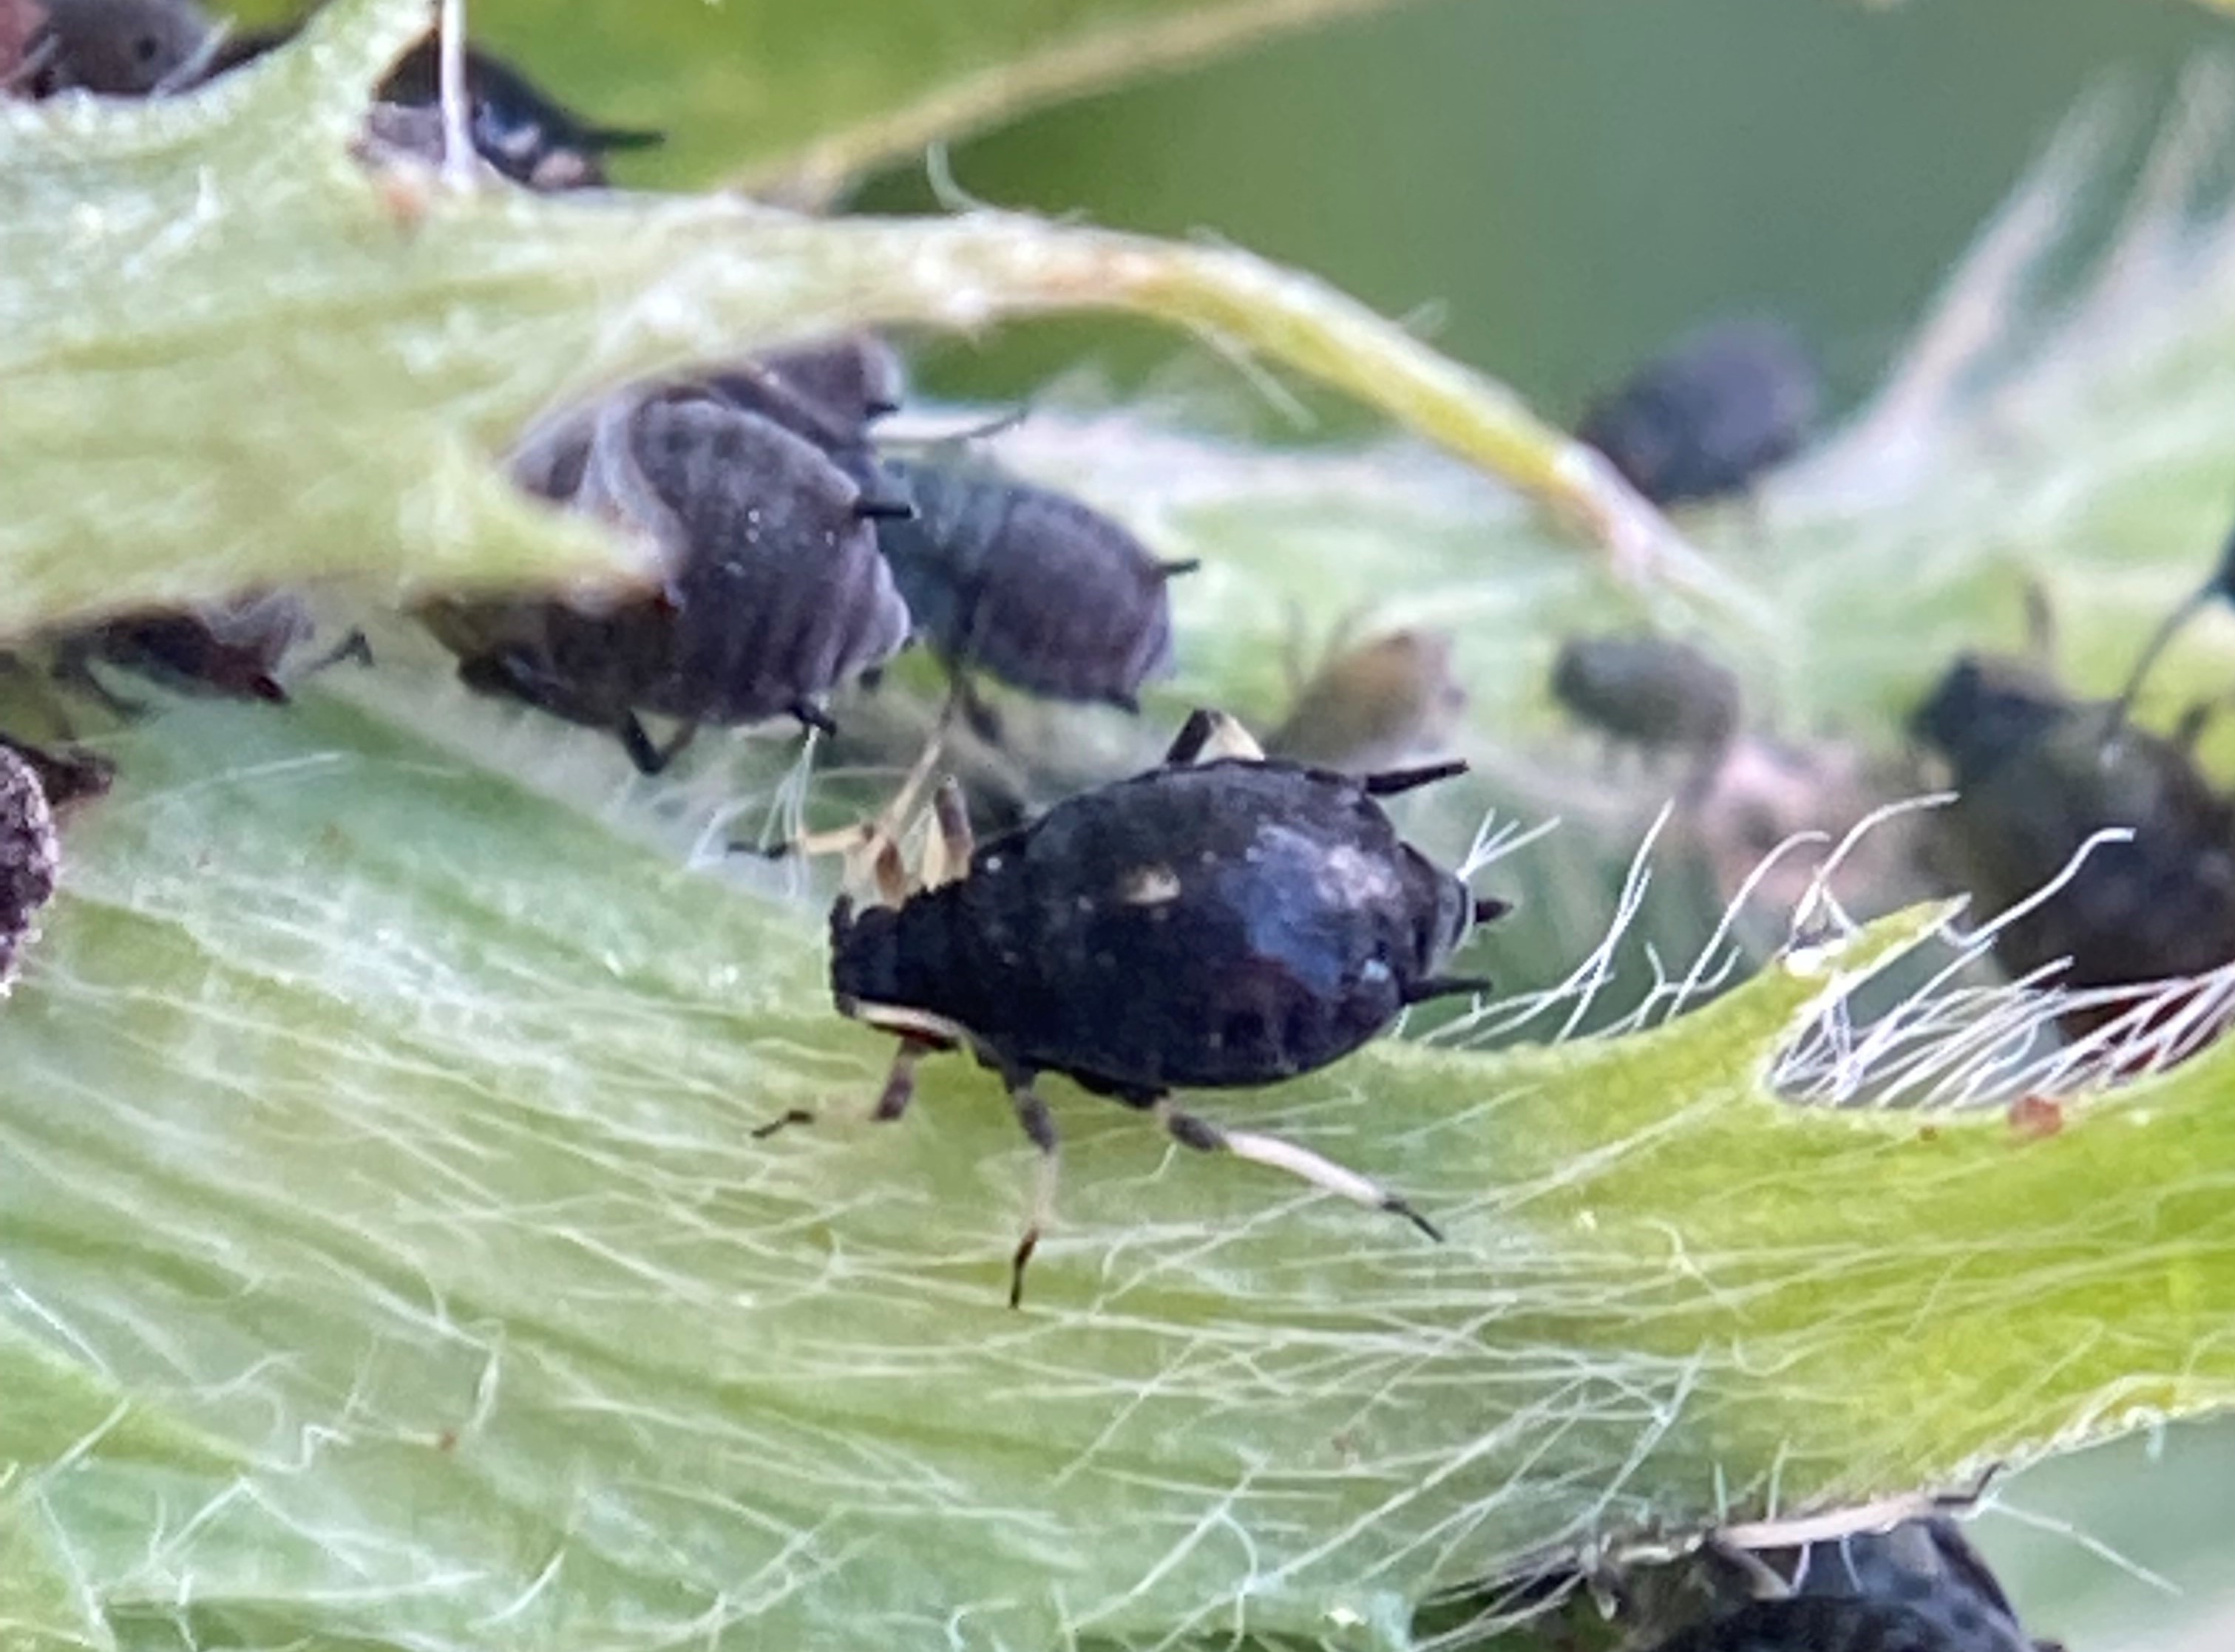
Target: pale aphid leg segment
[1276, 1154]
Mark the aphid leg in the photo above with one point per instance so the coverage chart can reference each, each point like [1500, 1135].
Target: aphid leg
[1038, 1124]
[983, 720]
[73, 669]
[1391, 781]
[814, 717]
[1446, 986]
[946, 857]
[355, 646]
[899, 1083]
[650, 759]
[1205, 1137]
[790, 1116]
[1207, 735]
[871, 848]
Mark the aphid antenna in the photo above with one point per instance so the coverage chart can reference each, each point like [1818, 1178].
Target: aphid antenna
[459, 160]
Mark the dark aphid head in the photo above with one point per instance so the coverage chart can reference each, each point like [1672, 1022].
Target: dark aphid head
[1649, 690]
[1986, 710]
[1705, 418]
[29, 858]
[120, 48]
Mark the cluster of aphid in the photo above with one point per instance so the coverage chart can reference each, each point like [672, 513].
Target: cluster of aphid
[1225, 919]
[2050, 790]
[1222, 920]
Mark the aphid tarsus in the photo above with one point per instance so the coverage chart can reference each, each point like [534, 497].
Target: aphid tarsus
[1709, 414]
[1222, 921]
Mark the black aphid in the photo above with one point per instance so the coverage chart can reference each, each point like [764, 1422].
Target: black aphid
[117, 47]
[1711, 413]
[1919, 1587]
[1649, 690]
[514, 124]
[1218, 921]
[1029, 586]
[2038, 775]
[29, 858]
[776, 593]
[233, 650]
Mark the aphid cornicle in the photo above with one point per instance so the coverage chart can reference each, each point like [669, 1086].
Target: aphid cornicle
[1711, 413]
[775, 594]
[516, 127]
[29, 858]
[1649, 690]
[1029, 586]
[1218, 921]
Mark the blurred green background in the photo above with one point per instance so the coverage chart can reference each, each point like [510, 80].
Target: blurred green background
[1565, 184]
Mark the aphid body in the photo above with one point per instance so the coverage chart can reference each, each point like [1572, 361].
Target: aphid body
[1206, 924]
[230, 649]
[1028, 586]
[118, 48]
[775, 594]
[29, 858]
[1720, 407]
[514, 125]
[1649, 690]
[2038, 775]
[1378, 704]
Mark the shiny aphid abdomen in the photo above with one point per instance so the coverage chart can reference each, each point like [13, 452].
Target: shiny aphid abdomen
[1231, 923]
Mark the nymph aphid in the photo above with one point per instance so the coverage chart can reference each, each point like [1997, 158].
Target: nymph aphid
[234, 650]
[1217, 923]
[117, 47]
[775, 594]
[516, 127]
[1028, 586]
[1649, 691]
[1711, 413]
[1380, 702]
